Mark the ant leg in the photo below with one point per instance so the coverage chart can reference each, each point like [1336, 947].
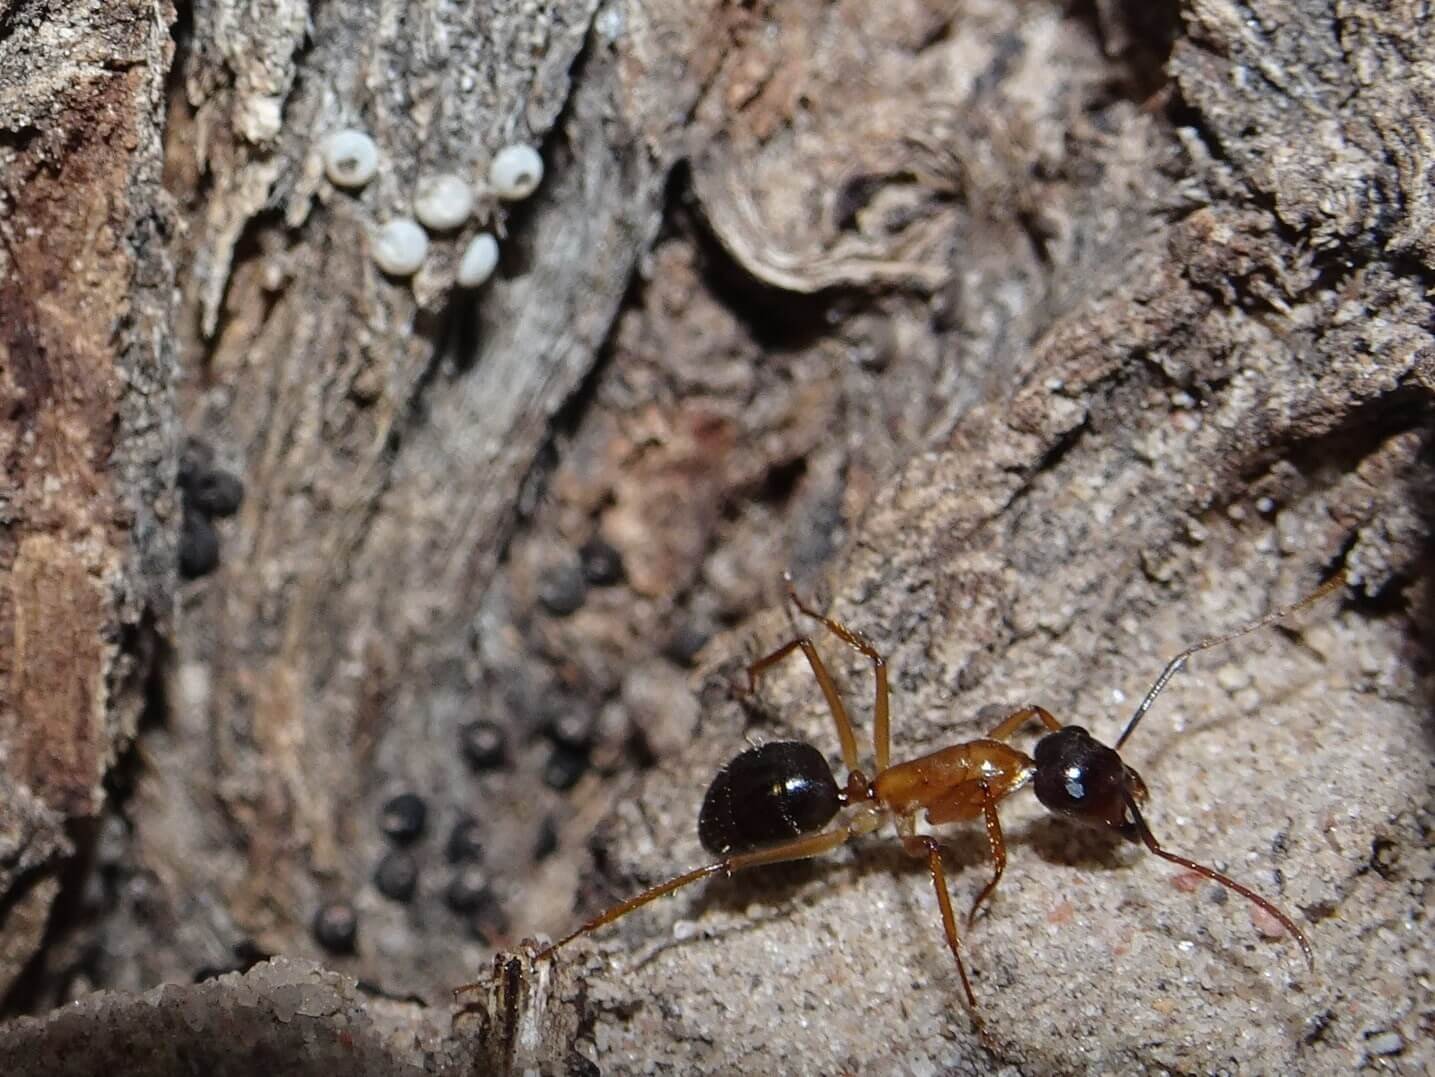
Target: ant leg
[998, 848]
[923, 847]
[881, 720]
[966, 801]
[829, 690]
[1216, 876]
[623, 908]
[1016, 719]
[802, 848]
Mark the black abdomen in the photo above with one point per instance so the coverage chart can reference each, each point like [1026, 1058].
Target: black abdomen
[768, 794]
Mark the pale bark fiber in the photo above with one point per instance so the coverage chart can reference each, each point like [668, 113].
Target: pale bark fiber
[1037, 339]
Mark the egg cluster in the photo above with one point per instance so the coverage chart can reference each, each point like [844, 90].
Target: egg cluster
[442, 203]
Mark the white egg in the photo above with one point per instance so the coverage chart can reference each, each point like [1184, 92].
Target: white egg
[516, 172]
[480, 259]
[399, 247]
[442, 202]
[350, 158]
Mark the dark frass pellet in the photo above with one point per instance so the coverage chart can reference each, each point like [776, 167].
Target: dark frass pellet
[195, 461]
[562, 590]
[546, 844]
[397, 876]
[684, 644]
[403, 817]
[602, 564]
[564, 767]
[336, 927]
[465, 842]
[216, 493]
[467, 889]
[198, 546]
[483, 744]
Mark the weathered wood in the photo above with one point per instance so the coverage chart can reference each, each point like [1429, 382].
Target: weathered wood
[87, 423]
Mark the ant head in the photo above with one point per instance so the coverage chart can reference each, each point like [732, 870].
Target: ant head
[1078, 775]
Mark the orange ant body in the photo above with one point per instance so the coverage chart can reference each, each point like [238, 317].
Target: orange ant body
[775, 802]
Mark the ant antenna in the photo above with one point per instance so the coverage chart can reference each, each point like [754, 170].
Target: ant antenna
[1335, 582]
[1212, 873]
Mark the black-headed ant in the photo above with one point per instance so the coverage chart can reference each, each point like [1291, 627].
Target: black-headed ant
[778, 801]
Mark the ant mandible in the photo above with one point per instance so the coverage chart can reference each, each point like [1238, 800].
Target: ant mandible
[774, 802]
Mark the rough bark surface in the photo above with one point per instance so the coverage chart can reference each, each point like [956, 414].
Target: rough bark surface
[1037, 340]
[290, 1016]
[87, 425]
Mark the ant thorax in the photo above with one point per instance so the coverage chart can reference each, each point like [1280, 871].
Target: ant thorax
[952, 783]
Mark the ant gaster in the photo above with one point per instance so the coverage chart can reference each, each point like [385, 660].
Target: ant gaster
[777, 802]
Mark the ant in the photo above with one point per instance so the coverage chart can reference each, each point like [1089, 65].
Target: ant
[776, 802]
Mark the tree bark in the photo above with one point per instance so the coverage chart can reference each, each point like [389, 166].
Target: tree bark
[1039, 342]
[87, 365]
